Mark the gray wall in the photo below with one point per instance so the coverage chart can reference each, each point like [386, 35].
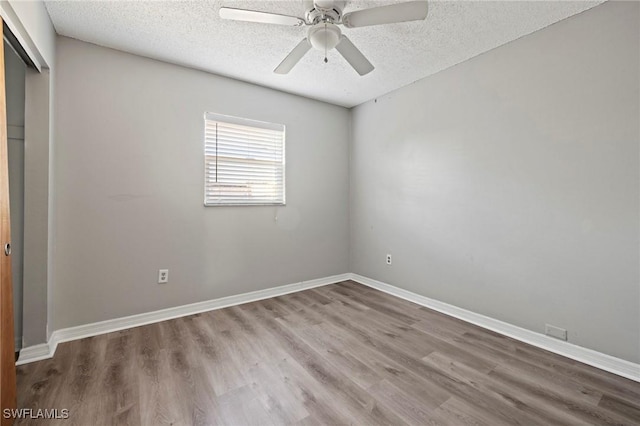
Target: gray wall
[129, 189]
[15, 86]
[509, 184]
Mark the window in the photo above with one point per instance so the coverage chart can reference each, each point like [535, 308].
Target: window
[243, 162]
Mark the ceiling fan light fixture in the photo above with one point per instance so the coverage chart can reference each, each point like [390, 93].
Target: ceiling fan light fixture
[324, 36]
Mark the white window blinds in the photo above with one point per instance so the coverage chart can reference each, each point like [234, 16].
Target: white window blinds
[244, 161]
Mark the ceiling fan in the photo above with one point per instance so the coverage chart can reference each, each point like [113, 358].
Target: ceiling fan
[323, 17]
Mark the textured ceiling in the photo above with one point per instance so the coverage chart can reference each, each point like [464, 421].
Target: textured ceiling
[190, 33]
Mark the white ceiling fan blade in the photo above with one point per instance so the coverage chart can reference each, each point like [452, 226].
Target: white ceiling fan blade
[355, 58]
[293, 58]
[401, 12]
[262, 17]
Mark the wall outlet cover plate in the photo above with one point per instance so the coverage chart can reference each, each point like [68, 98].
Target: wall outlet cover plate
[557, 332]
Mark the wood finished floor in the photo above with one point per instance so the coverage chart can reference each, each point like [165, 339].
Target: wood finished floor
[339, 354]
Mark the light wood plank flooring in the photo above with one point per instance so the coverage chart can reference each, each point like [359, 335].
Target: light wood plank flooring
[339, 354]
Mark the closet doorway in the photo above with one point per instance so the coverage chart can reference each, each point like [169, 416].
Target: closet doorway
[13, 67]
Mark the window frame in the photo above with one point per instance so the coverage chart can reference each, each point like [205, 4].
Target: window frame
[233, 120]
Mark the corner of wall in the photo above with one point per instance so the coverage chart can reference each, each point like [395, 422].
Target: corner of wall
[350, 189]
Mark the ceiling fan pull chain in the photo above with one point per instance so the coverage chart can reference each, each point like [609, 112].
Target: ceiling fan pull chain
[325, 42]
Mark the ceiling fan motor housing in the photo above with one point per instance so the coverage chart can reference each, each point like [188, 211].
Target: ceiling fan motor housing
[324, 36]
[323, 10]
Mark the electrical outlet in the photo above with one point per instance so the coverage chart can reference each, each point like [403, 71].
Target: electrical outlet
[388, 259]
[557, 332]
[163, 276]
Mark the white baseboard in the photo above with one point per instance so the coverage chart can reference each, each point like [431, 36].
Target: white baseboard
[46, 350]
[596, 359]
[35, 353]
